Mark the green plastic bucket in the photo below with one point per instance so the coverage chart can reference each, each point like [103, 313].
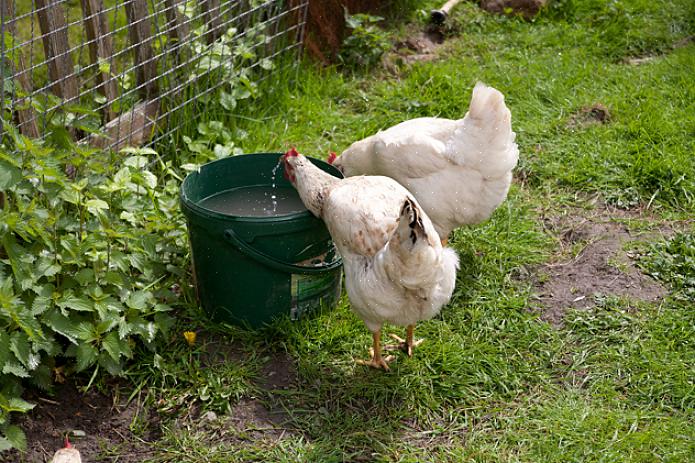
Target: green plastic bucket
[250, 270]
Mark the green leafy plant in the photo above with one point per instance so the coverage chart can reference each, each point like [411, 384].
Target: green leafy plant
[365, 45]
[89, 249]
[673, 261]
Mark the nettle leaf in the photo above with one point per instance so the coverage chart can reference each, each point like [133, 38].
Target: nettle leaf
[124, 328]
[86, 331]
[138, 300]
[16, 404]
[5, 444]
[222, 151]
[138, 162]
[149, 179]
[19, 345]
[86, 355]
[15, 369]
[227, 101]
[116, 347]
[81, 304]
[42, 377]
[47, 267]
[107, 323]
[16, 437]
[9, 175]
[112, 366]
[85, 276]
[96, 205]
[62, 325]
[4, 348]
[40, 305]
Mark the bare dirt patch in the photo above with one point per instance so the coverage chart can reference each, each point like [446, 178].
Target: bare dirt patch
[420, 46]
[105, 424]
[645, 59]
[589, 115]
[592, 263]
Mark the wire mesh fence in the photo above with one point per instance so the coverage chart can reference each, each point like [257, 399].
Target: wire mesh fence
[115, 73]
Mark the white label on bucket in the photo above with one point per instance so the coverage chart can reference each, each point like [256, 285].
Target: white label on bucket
[307, 291]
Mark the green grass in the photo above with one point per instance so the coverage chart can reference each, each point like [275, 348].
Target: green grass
[492, 382]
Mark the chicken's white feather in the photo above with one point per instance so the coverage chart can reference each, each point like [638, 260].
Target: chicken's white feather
[459, 170]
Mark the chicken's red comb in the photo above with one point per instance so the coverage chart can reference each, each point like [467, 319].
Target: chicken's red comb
[332, 157]
[292, 152]
[68, 445]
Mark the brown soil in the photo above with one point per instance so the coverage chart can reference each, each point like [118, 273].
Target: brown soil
[589, 115]
[598, 266]
[92, 422]
[420, 46]
[525, 8]
[99, 425]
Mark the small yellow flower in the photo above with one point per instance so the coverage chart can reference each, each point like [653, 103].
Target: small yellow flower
[190, 337]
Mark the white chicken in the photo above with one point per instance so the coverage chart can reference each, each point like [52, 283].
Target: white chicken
[67, 454]
[458, 170]
[396, 269]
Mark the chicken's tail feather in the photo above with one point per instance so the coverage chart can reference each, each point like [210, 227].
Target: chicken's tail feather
[410, 226]
[488, 125]
[414, 251]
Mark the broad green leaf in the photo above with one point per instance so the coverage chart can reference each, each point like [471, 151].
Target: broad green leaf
[85, 276]
[138, 300]
[70, 301]
[116, 347]
[86, 356]
[4, 348]
[86, 331]
[227, 101]
[42, 377]
[16, 437]
[40, 305]
[9, 175]
[112, 366]
[95, 205]
[124, 328]
[149, 179]
[70, 195]
[140, 160]
[191, 167]
[61, 325]
[222, 151]
[11, 368]
[19, 345]
[5, 444]
[16, 404]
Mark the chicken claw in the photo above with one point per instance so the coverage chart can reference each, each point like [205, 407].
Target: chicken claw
[377, 361]
[406, 345]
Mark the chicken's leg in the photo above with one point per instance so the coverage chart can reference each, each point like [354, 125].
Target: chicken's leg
[406, 344]
[377, 361]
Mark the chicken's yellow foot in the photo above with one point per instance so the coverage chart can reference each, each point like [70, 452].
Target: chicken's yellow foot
[406, 345]
[377, 361]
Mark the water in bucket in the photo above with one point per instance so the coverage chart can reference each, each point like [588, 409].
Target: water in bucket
[255, 201]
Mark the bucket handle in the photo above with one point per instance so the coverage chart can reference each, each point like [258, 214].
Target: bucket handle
[274, 263]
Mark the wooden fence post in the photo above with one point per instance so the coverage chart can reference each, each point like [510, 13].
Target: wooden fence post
[213, 19]
[27, 117]
[140, 31]
[55, 43]
[100, 48]
[178, 26]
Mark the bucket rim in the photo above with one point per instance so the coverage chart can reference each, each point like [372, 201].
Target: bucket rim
[191, 205]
